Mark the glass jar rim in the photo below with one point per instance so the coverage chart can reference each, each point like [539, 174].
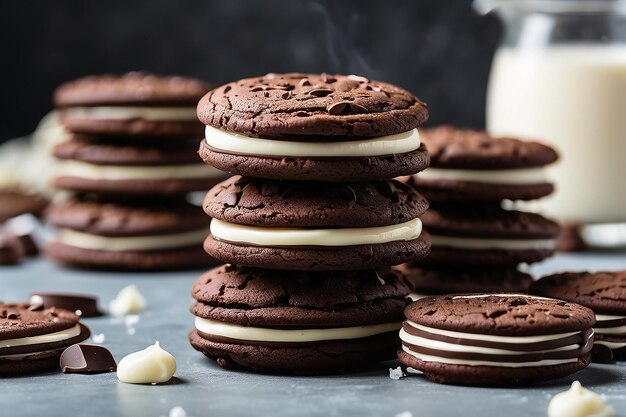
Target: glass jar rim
[554, 6]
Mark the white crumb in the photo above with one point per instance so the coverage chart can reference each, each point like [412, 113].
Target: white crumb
[405, 414]
[131, 319]
[413, 370]
[396, 373]
[178, 412]
[98, 338]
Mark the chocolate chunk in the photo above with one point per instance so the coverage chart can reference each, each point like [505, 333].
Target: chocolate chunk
[345, 107]
[230, 200]
[10, 248]
[82, 358]
[83, 305]
[29, 247]
[321, 92]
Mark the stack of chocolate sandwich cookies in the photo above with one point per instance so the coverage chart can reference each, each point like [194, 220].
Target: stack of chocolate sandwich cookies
[310, 224]
[471, 174]
[130, 163]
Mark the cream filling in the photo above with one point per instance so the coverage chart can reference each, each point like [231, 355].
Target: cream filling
[618, 330]
[125, 243]
[504, 176]
[502, 295]
[431, 358]
[451, 347]
[384, 145]
[44, 338]
[490, 243]
[132, 112]
[124, 172]
[491, 338]
[259, 334]
[283, 236]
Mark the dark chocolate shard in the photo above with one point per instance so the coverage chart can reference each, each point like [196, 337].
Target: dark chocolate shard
[83, 359]
[85, 304]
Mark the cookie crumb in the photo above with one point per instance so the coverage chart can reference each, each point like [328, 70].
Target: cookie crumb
[98, 338]
[396, 373]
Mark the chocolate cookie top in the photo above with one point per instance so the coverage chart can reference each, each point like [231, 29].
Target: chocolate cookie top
[126, 218]
[261, 297]
[24, 320]
[311, 107]
[502, 315]
[455, 280]
[604, 292]
[94, 151]
[133, 88]
[252, 201]
[488, 221]
[450, 147]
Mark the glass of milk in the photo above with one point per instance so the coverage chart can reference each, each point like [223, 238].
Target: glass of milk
[559, 76]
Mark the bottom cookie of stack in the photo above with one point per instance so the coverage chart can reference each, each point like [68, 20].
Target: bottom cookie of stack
[297, 322]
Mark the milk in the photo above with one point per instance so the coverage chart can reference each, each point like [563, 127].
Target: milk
[574, 98]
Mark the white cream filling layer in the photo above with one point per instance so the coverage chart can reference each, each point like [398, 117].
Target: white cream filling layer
[490, 243]
[504, 176]
[282, 236]
[431, 358]
[384, 145]
[124, 172]
[491, 338]
[132, 112]
[618, 330]
[44, 338]
[259, 334]
[451, 347]
[124, 243]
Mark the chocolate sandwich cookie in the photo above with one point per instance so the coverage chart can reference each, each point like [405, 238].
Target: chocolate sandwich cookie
[89, 164]
[297, 322]
[15, 202]
[313, 127]
[495, 339]
[128, 235]
[32, 337]
[472, 166]
[315, 226]
[479, 235]
[604, 293]
[135, 105]
[424, 281]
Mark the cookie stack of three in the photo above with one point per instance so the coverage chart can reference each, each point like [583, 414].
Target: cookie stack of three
[130, 164]
[311, 222]
[477, 245]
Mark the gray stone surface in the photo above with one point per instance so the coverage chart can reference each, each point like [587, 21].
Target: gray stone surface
[204, 389]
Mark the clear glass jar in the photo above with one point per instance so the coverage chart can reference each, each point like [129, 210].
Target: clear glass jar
[559, 76]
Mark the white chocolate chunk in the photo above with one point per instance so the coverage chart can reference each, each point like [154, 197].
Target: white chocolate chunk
[129, 300]
[152, 365]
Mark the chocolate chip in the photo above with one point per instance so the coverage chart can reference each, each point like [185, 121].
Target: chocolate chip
[227, 89]
[36, 307]
[230, 199]
[3, 314]
[321, 92]
[13, 316]
[83, 305]
[345, 107]
[82, 358]
[387, 189]
[286, 95]
[304, 82]
[338, 108]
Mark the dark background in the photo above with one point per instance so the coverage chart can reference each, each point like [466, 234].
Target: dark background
[439, 49]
